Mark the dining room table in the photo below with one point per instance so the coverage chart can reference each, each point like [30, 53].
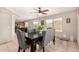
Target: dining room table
[33, 37]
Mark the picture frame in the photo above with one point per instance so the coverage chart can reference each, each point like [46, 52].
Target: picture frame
[67, 20]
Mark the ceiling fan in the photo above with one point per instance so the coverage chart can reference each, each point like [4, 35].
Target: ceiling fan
[39, 10]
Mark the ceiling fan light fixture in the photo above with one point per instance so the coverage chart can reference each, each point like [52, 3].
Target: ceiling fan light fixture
[39, 14]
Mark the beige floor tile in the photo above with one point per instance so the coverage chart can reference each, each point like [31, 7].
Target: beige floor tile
[60, 46]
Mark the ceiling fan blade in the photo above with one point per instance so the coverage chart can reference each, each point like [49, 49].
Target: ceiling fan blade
[39, 10]
[44, 13]
[45, 10]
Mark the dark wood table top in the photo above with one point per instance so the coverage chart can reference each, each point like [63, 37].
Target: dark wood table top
[33, 35]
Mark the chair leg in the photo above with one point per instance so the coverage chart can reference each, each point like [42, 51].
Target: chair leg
[23, 50]
[54, 40]
[19, 49]
[43, 49]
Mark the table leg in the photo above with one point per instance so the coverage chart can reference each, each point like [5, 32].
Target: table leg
[54, 40]
[33, 46]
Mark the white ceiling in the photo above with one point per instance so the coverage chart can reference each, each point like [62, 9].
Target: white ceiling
[25, 13]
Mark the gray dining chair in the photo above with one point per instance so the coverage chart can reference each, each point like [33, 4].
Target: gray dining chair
[29, 30]
[21, 40]
[48, 35]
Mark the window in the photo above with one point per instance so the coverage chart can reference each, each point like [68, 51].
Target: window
[35, 23]
[26, 24]
[54, 23]
[58, 24]
[49, 23]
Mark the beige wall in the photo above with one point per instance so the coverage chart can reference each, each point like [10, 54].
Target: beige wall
[69, 29]
[78, 28]
[6, 25]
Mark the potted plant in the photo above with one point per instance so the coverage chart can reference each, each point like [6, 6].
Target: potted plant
[40, 27]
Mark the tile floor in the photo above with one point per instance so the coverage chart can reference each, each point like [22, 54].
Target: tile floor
[60, 46]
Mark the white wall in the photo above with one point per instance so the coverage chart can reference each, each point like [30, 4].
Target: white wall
[6, 25]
